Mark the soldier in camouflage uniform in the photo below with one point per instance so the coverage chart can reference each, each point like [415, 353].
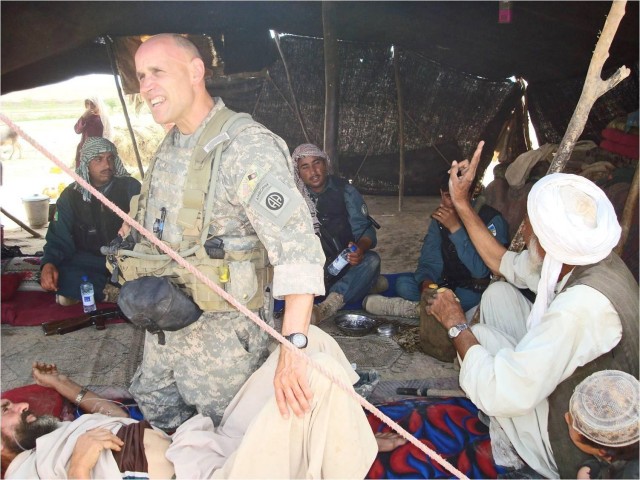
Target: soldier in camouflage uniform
[202, 366]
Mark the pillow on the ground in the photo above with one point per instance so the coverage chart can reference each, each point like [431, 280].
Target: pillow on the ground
[29, 267]
[9, 285]
[41, 400]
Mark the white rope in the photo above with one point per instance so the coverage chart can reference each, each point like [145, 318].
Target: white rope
[181, 261]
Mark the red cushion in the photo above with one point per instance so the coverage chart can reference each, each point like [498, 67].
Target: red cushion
[9, 285]
[41, 400]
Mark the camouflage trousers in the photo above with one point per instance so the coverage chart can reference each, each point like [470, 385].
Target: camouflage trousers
[199, 369]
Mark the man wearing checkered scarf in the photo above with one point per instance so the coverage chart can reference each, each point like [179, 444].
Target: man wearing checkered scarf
[341, 219]
[82, 224]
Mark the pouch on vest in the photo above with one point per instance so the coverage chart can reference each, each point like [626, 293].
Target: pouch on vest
[156, 304]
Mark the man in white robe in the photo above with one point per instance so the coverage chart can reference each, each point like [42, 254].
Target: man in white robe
[517, 359]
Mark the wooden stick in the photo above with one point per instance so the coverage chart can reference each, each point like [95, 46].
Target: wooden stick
[16, 220]
[594, 87]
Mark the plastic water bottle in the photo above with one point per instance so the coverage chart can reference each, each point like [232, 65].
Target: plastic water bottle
[86, 292]
[341, 261]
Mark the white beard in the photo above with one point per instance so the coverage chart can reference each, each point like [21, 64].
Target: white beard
[535, 259]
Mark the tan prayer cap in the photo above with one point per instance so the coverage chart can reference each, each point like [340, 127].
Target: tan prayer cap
[605, 408]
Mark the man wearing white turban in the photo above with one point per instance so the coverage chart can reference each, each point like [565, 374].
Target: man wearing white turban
[519, 365]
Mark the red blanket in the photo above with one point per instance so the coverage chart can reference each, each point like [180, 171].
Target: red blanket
[27, 309]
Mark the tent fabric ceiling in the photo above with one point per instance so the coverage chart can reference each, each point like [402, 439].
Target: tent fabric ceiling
[46, 42]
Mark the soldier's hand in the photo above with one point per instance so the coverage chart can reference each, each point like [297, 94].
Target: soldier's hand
[291, 386]
[49, 277]
[88, 449]
[124, 230]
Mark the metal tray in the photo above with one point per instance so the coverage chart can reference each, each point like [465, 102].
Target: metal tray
[355, 325]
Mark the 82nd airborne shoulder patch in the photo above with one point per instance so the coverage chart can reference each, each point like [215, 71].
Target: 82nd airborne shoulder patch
[274, 200]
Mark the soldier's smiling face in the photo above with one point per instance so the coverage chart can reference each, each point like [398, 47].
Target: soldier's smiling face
[313, 172]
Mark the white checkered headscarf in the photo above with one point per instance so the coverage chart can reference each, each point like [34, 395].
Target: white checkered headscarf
[302, 151]
[93, 147]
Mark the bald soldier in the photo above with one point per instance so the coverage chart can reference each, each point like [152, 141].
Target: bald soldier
[520, 364]
[256, 209]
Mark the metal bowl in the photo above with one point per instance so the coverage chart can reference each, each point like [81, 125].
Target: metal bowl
[354, 325]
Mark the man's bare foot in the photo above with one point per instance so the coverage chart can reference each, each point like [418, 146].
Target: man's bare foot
[388, 441]
[46, 374]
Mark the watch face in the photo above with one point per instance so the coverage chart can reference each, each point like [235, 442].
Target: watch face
[298, 339]
[455, 330]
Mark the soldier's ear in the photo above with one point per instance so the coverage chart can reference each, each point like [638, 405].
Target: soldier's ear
[197, 70]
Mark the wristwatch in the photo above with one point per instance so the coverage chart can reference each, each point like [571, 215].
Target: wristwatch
[298, 339]
[455, 330]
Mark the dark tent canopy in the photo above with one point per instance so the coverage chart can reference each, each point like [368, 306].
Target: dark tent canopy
[454, 61]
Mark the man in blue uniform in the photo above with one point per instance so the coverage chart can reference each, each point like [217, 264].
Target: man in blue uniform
[341, 219]
[447, 258]
[83, 224]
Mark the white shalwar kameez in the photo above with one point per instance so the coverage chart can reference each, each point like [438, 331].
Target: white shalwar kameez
[512, 372]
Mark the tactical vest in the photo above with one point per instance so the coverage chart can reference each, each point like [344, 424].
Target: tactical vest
[94, 224]
[454, 272]
[612, 278]
[334, 218]
[243, 273]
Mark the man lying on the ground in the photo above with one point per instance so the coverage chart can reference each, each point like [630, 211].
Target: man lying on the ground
[82, 224]
[334, 439]
[520, 364]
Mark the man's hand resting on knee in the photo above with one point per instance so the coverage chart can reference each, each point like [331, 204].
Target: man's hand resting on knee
[49, 277]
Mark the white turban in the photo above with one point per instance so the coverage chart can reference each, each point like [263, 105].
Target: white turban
[575, 224]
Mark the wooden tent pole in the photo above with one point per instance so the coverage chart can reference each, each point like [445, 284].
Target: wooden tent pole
[594, 87]
[331, 84]
[396, 70]
[627, 214]
[114, 69]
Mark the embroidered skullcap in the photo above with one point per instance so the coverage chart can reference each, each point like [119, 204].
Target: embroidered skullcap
[302, 151]
[93, 147]
[576, 225]
[605, 408]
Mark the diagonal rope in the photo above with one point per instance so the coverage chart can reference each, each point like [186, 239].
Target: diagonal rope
[271, 331]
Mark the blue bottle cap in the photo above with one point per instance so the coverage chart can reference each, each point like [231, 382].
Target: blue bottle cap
[85, 278]
[353, 247]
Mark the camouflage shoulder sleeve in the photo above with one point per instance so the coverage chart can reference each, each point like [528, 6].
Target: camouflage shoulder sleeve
[256, 174]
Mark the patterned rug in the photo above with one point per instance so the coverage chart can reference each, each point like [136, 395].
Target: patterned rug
[449, 426]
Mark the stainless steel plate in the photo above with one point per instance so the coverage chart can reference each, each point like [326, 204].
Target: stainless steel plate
[354, 325]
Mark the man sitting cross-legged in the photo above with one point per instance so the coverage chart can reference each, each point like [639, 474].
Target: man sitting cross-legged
[332, 439]
[82, 224]
[447, 257]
